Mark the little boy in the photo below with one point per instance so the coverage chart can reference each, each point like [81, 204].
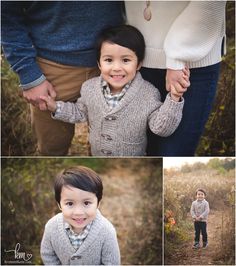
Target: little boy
[119, 105]
[199, 212]
[79, 235]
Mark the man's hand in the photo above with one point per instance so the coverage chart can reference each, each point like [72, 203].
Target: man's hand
[33, 95]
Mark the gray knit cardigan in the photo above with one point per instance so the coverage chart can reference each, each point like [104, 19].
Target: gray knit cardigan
[200, 208]
[122, 130]
[99, 248]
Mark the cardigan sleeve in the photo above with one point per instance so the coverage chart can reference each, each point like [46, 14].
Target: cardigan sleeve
[47, 252]
[110, 249]
[192, 211]
[165, 119]
[194, 32]
[72, 112]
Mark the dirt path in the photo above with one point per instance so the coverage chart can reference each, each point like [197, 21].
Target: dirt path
[185, 255]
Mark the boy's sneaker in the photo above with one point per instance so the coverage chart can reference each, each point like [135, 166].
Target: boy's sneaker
[196, 245]
[205, 244]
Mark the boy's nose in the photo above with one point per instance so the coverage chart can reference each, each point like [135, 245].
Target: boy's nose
[116, 66]
[78, 211]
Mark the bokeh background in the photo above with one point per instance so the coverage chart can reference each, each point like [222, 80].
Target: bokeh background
[132, 201]
[218, 138]
[217, 177]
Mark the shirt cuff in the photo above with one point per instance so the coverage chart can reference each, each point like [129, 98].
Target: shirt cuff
[33, 83]
[58, 109]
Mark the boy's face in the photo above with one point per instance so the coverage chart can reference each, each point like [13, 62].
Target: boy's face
[118, 65]
[200, 195]
[78, 207]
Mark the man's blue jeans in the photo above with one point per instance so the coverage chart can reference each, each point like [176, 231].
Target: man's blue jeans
[198, 103]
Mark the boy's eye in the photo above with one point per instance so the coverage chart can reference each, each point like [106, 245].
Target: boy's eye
[86, 203]
[126, 60]
[69, 203]
[108, 60]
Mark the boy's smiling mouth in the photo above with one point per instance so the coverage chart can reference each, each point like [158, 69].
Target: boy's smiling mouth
[79, 220]
[117, 77]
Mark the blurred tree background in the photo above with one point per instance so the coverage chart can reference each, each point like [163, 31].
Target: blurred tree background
[132, 201]
[217, 140]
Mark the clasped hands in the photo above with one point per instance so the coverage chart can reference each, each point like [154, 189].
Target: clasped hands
[177, 82]
[35, 95]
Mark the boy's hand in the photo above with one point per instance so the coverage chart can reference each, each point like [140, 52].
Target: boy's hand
[49, 102]
[174, 94]
[178, 78]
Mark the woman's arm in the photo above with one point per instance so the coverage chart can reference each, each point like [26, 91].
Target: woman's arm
[194, 33]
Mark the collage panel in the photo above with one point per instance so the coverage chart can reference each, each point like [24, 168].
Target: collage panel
[199, 211]
[62, 69]
[131, 201]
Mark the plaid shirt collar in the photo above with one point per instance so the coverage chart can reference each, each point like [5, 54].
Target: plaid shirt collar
[112, 100]
[77, 239]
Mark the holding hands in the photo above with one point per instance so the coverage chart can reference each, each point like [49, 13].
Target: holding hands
[35, 94]
[177, 82]
[49, 102]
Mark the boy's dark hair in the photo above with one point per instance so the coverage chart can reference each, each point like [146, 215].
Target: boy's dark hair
[202, 190]
[123, 35]
[79, 177]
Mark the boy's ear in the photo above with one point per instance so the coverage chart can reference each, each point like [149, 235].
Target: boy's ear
[59, 206]
[99, 65]
[139, 65]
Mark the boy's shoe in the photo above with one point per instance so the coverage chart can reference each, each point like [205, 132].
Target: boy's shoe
[196, 245]
[205, 244]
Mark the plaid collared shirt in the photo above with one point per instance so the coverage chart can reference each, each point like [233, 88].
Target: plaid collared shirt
[77, 239]
[113, 100]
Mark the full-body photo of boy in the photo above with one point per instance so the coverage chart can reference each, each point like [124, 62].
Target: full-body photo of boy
[199, 212]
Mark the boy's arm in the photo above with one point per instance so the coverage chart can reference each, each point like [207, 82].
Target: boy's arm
[47, 252]
[110, 250]
[166, 118]
[72, 112]
[192, 211]
[206, 211]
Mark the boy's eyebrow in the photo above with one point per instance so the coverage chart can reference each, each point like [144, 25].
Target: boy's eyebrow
[74, 200]
[128, 55]
[68, 199]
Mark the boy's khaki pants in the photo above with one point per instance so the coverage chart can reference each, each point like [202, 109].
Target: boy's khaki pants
[53, 136]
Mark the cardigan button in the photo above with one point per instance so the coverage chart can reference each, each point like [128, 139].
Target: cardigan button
[76, 257]
[106, 152]
[110, 118]
[106, 137]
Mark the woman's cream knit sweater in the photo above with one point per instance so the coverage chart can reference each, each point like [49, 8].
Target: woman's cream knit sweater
[180, 32]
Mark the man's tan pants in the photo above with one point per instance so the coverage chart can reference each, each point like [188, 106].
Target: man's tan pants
[54, 137]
